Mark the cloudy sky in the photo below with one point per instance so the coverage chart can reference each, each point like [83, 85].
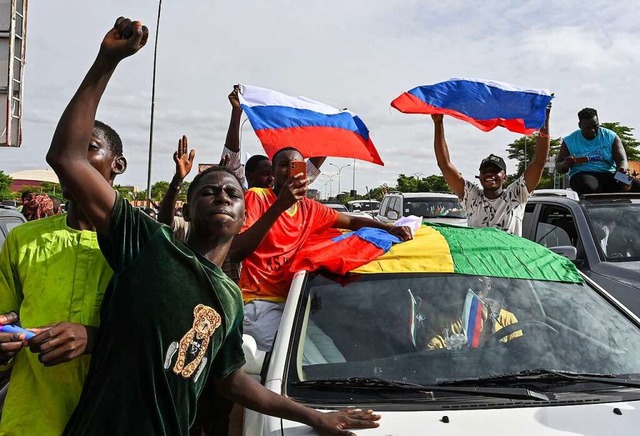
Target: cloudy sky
[358, 54]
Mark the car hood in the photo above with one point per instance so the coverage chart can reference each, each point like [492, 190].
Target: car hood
[592, 419]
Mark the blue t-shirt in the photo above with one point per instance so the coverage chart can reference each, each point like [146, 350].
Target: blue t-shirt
[599, 150]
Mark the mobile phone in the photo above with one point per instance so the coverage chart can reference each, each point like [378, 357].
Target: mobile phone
[581, 159]
[297, 167]
[623, 178]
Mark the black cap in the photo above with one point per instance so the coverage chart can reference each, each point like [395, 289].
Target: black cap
[492, 159]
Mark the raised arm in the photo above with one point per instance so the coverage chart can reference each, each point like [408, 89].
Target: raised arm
[533, 173]
[68, 152]
[232, 142]
[450, 172]
[248, 241]
[184, 163]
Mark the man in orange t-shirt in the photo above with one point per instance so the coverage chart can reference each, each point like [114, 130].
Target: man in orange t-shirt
[278, 222]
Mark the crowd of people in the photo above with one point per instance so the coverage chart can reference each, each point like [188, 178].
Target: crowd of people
[139, 322]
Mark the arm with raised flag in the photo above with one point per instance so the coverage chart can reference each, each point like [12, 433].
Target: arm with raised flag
[449, 171]
[533, 173]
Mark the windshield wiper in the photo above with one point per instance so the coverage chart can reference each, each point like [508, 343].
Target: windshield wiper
[374, 383]
[545, 375]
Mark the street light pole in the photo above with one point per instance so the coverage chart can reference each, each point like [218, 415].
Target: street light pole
[153, 105]
[353, 184]
[339, 171]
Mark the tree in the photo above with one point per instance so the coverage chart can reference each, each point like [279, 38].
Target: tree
[124, 191]
[628, 141]
[5, 186]
[407, 183]
[435, 183]
[158, 190]
[516, 151]
[432, 183]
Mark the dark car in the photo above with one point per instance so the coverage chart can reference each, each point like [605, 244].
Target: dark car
[599, 232]
[9, 218]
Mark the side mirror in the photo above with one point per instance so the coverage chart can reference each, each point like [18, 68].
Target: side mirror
[567, 251]
[392, 215]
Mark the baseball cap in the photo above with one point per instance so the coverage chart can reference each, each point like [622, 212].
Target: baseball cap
[492, 159]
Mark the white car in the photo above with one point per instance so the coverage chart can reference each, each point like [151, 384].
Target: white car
[433, 207]
[544, 351]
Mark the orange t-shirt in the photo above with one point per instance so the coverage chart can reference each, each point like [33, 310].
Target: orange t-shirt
[265, 273]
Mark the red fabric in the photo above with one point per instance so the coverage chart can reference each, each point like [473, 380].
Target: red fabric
[320, 141]
[337, 257]
[266, 272]
[36, 206]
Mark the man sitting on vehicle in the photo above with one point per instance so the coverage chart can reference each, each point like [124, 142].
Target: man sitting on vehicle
[593, 156]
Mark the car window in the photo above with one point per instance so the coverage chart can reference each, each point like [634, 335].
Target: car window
[616, 229]
[394, 205]
[424, 328]
[556, 227]
[433, 207]
[383, 206]
[527, 220]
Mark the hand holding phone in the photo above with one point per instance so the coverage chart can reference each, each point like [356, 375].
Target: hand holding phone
[623, 177]
[297, 167]
[10, 328]
[581, 159]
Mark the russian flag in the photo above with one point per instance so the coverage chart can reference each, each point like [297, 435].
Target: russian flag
[340, 253]
[485, 104]
[472, 318]
[313, 128]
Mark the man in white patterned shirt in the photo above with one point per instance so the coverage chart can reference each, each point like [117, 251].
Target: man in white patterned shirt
[494, 205]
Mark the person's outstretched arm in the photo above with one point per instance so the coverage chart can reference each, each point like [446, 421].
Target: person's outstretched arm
[68, 152]
[184, 162]
[533, 173]
[450, 172]
[242, 389]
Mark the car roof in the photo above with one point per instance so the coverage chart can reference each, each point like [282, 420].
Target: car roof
[572, 196]
[362, 201]
[10, 211]
[424, 195]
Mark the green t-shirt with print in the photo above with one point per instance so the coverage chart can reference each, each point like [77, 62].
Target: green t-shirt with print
[170, 318]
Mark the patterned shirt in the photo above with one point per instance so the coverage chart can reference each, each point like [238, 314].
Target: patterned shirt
[504, 213]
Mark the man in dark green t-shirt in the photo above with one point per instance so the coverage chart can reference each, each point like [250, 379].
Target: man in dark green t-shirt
[170, 318]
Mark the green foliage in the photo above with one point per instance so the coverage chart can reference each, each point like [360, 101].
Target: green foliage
[522, 150]
[125, 191]
[158, 190]
[5, 187]
[432, 183]
[628, 141]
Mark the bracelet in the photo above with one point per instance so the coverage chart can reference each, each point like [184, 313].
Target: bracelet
[175, 186]
[543, 135]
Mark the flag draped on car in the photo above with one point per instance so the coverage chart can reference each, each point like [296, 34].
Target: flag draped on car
[313, 128]
[438, 248]
[341, 252]
[485, 104]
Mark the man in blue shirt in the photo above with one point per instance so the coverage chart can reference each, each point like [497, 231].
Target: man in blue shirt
[592, 155]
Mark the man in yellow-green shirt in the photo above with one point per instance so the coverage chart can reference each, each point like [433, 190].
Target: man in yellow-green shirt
[52, 280]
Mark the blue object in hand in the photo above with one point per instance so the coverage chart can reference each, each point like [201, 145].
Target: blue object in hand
[10, 328]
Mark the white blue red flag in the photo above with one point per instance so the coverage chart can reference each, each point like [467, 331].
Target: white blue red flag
[313, 128]
[485, 104]
[472, 321]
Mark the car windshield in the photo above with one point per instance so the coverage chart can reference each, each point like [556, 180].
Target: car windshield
[430, 328]
[434, 207]
[338, 207]
[365, 205]
[615, 227]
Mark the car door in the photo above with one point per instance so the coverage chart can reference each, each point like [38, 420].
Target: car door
[384, 209]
